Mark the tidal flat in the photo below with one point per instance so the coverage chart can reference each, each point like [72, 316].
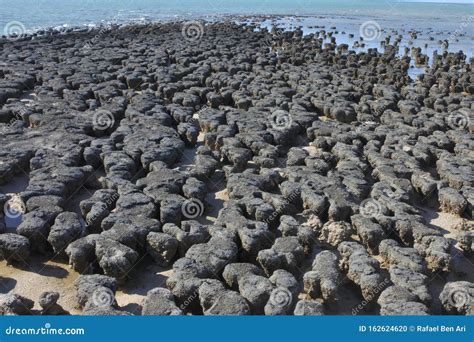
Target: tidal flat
[236, 167]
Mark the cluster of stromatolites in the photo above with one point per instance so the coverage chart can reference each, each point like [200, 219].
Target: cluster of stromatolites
[330, 160]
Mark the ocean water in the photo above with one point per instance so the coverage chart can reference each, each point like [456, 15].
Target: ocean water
[51, 13]
[433, 21]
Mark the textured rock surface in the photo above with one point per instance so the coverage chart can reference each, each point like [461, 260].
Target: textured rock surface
[251, 172]
[160, 302]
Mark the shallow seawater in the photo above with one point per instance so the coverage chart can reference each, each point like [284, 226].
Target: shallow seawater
[50, 13]
[427, 38]
[432, 22]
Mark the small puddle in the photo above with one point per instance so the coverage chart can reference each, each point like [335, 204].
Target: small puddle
[16, 185]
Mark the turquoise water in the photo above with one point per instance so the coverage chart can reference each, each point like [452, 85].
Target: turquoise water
[433, 22]
[51, 13]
